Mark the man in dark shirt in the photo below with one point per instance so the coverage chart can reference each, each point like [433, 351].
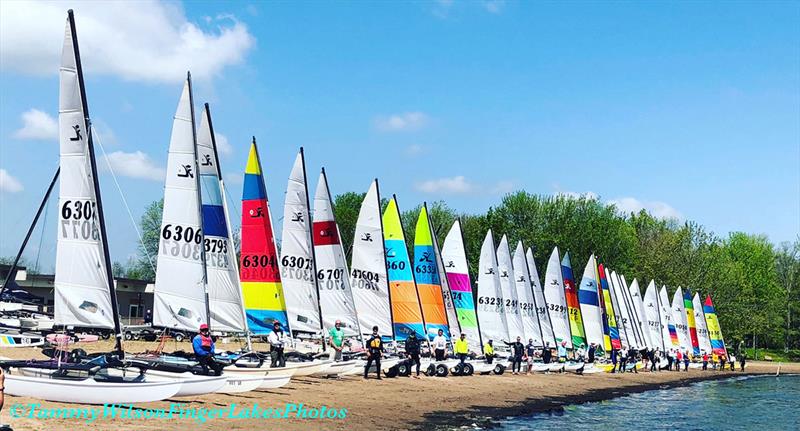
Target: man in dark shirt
[518, 351]
[412, 350]
[374, 351]
[547, 355]
[592, 350]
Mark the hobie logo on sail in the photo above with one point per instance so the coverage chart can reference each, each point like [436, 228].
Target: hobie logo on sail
[207, 160]
[450, 264]
[297, 216]
[77, 129]
[89, 306]
[257, 212]
[426, 257]
[185, 171]
[504, 274]
[490, 271]
[366, 237]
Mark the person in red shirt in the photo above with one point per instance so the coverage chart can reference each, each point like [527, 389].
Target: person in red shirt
[705, 360]
[678, 362]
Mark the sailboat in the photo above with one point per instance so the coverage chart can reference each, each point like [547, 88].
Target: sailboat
[491, 305]
[542, 315]
[681, 324]
[84, 289]
[555, 298]
[454, 260]
[575, 319]
[621, 317]
[427, 276]
[669, 333]
[703, 337]
[690, 321]
[638, 314]
[652, 318]
[589, 300]
[532, 329]
[505, 270]
[611, 339]
[447, 296]
[714, 331]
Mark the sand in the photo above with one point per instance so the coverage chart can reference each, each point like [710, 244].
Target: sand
[399, 403]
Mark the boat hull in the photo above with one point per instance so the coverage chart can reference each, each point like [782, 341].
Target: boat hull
[238, 383]
[89, 391]
[192, 384]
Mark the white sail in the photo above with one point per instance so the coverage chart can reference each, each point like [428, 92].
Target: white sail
[557, 300]
[505, 272]
[703, 336]
[589, 299]
[625, 312]
[224, 289]
[666, 319]
[368, 277]
[623, 333]
[680, 320]
[651, 314]
[449, 305]
[82, 292]
[527, 304]
[179, 297]
[542, 315]
[454, 260]
[298, 273]
[335, 294]
[638, 308]
[491, 310]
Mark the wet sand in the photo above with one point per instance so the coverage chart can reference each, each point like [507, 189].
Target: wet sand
[399, 403]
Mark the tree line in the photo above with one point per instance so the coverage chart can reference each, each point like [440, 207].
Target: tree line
[753, 282]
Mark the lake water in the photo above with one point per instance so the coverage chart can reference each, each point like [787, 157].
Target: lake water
[741, 403]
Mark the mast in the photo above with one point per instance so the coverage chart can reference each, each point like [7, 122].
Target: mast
[199, 199]
[100, 216]
[385, 263]
[313, 252]
[227, 223]
[13, 268]
[344, 256]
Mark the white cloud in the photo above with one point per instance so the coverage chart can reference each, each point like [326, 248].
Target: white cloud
[139, 41]
[454, 185]
[494, 6]
[576, 195]
[502, 187]
[414, 150]
[37, 125]
[223, 146]
[657, 209]
[8, 183]
[402, 122]
[135, 165]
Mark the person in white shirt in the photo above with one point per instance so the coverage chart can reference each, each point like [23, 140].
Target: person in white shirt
[439, 345]
[277, 339]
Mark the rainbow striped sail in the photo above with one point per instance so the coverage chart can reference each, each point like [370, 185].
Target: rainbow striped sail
[611, 338]
[426, 271]
[406, 312]
[666, 315]
[687, 303]
[454, 260]
[573, 306]
[260, 274]
[714, 331]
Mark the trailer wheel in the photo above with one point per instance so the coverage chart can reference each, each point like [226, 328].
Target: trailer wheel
[499, 369]
[105, 335]
[128, 336]
[403, 370]
[179, 337]
[431, 370]
[137, 336]
[468, 369]
[441, 370]
[392, 372]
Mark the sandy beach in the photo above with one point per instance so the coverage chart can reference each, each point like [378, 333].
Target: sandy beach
[399, 403]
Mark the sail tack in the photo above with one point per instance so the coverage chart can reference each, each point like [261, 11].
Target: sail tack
[454, 260]
[426, 272]
[260, 273]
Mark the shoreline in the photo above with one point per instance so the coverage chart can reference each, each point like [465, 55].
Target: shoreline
[395, 404]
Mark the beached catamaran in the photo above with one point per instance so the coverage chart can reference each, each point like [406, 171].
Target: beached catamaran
[652, 317]
[427, 276]
[335, 293]
[681, 324]
[703, 338]
[527, 303]
[714, 331]
[576, 328]
[505, 271]
[454, 260]
[555, 298]
[690, 321]
[589, 301]
[639, 316]
[611, 338]
[543, 316]
[447, 296]
[491, 306]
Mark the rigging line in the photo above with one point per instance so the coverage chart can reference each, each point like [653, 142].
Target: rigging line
[124, 201]
[41, 239]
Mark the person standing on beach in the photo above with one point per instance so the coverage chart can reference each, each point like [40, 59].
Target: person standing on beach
[203, 346]
[722, 360]
[461, 348]
[439, 345]
[653, 359]
[732, 361]
[632, 359]
[337, 340]
[547, 355]
[518, 351]
[645, 358]
[374, 351]
[678, 360]
[614, 357]
[623, 358]
[530, 349]
[562, 352]
[412, 351]
[686, 361]
[488, 351]
[592, 350]
[277, 341]
[742, 360]
[705, 360]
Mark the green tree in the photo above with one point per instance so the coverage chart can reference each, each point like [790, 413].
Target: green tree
[788, 270]
[150, 226]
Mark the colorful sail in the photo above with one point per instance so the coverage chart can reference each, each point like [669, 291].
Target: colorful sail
[589, 302]
[447, 295]
[681, 324]
[491, 313]
[670, 333]
[714, 331]
[571, 294]
[542, 315]
[455, 266]
[555, 297]
[426, 272]
[368, 269]
[689, 306]
[625, 308]
[620, 317]
[82, 279]
[527, 305]
[406, 311]
[611, 338]
[298, 272]
[651, 316]
[638, 308]
[264, 302]
[335, 293]
[509, 288]
[703, 339]
[179, 296]
[224, 289]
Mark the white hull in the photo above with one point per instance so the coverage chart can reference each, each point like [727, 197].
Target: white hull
[274, 381]
[89, 391]
[192, 384]
[386, 364]
[556, 367]
[592, 369]
[483, 367]
[573, 367]
[540, 367]
[303, 369]
[263, 370]
[337, 368]
[238, 383]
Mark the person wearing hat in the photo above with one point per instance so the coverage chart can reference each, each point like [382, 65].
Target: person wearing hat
[462, 348]
[277, 341]
[337, 340]
[412, 350]
[439, 343]
[562, 352]
[488, 351]
[374, 351]
[203, 346]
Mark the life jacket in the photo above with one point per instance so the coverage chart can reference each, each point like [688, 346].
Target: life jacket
[375, 343]
[462, 346]
[488, 349]
[205, 341]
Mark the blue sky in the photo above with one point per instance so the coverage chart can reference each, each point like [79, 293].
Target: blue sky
[688, 109]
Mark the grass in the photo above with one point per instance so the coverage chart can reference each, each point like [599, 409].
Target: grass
[777, 355]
